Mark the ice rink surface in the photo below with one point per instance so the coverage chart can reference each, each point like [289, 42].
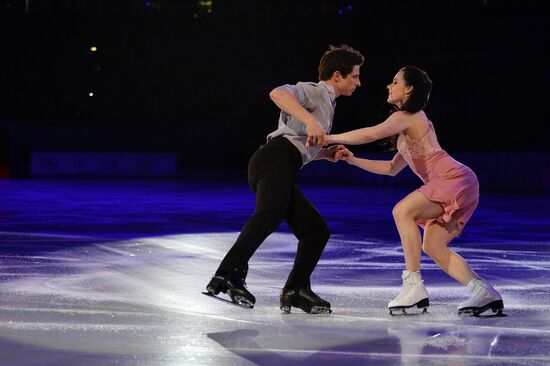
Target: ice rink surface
[111, 273]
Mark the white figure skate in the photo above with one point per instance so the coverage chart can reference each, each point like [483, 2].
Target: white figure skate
[484, 297]
[413, 293]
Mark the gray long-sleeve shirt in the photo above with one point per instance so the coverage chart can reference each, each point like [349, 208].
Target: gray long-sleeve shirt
[319, 100]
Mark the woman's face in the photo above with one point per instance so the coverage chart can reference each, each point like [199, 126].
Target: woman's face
[398, 92]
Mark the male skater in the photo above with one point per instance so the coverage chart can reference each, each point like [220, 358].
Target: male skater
[307, 111]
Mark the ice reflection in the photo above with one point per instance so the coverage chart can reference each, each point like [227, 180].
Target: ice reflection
[140, 299]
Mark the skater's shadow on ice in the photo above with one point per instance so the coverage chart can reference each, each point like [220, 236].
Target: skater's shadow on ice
[406, 344]
[277, 349]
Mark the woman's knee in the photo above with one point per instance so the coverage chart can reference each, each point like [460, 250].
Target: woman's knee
[427, 249]
[400, 212]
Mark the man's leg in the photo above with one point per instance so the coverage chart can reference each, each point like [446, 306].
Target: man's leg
[272, 197]
[273, 170]
[272, 174]
[313, 234]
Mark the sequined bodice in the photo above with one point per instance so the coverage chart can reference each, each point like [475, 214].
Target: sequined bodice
[414, 149]
[422, 155]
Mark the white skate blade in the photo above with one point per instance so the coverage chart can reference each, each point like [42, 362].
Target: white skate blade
[402, 310]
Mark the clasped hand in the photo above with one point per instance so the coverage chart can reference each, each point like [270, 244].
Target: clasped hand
[316, 135]
[338, 152]
[318, 141]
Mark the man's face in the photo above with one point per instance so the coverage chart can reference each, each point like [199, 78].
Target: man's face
[346, 85]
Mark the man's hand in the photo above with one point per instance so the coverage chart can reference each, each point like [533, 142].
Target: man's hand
[315, 134]
[324, 141]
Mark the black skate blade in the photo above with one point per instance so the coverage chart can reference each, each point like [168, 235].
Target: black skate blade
[498, 314]
[403, 312]
[496, 307]
[243, 301]
[422, 304]
[241, 304]
[286, 309]
[320, 310]
[314, 310]
[474, 314]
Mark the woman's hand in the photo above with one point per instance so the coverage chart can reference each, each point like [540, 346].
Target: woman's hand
[331, 153]
[344, 154]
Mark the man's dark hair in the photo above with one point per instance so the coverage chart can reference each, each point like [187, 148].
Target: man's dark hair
[342, 58]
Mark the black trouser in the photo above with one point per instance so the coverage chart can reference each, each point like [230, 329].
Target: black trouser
[272, 173]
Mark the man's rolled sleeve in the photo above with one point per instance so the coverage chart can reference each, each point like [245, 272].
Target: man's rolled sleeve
[300, 93]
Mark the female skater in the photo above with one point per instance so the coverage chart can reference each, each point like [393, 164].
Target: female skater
[442, 206]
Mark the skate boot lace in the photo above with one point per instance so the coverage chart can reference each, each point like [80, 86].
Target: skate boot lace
[405, 289]
[479, 291]
[238, 281]
[306, 291]
[314, 295]
[478, 288]
[482, 290]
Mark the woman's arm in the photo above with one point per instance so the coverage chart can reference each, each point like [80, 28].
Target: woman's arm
[383, 167]
[395, 124]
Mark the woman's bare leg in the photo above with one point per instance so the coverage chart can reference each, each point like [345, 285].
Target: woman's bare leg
[436, 238]
[405, 213]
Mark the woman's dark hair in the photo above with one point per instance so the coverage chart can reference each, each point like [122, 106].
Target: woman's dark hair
[417, 100]
[342, 59]
[420, 94]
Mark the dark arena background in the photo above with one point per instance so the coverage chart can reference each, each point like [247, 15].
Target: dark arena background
[125, 133]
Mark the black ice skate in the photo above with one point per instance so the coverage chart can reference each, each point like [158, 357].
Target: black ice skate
[305, 299]
[235, 286]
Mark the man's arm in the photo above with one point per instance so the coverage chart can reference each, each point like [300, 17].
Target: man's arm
[288, 103]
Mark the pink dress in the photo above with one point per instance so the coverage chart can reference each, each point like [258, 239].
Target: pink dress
[447, 182]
